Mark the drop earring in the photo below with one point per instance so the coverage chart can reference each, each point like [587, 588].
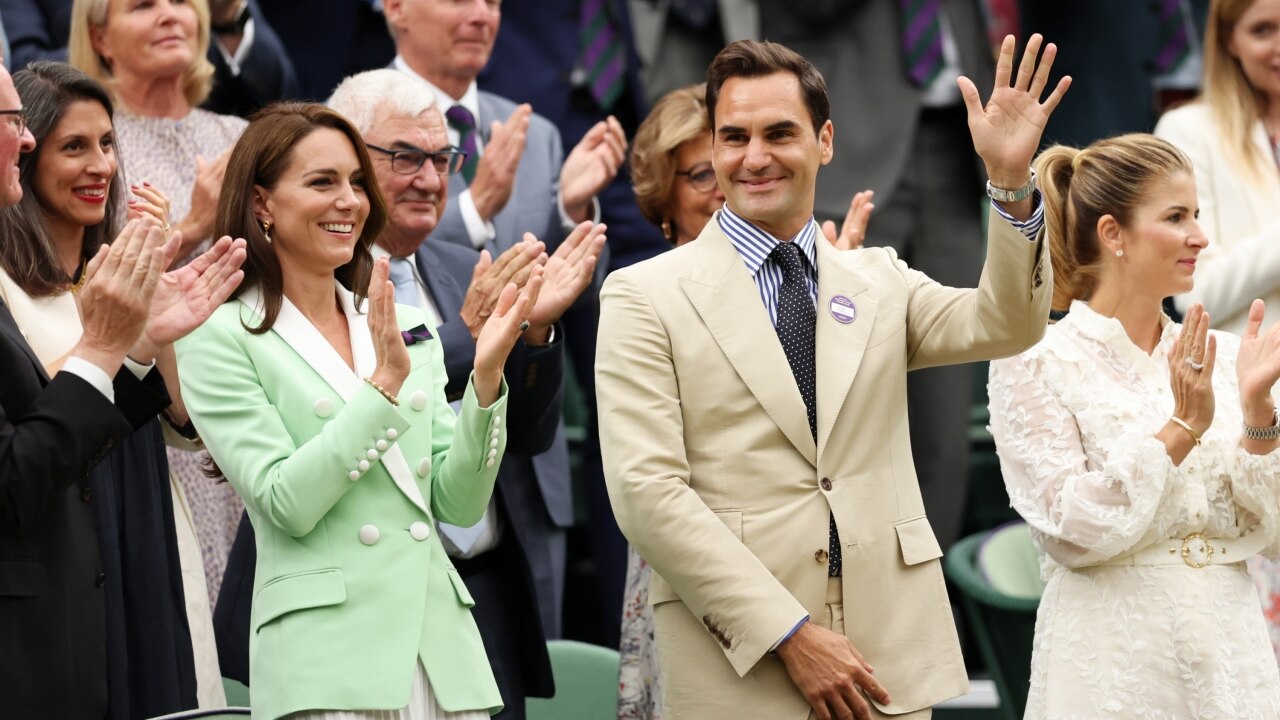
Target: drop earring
[666, 228]
[266, 230]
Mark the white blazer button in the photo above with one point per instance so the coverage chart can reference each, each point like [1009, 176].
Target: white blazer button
[488, 463]
[494, 434]
[493, 443]
[354, 475]
[369, 534]
[497, 420]
[424, 467]
[381, 444]
[323, 407]
[363, 465]
[418, 400]
[419, 531]
[493, 453]
[372, 454]
[392, 433]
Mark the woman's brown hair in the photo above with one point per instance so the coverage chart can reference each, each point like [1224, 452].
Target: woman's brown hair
[260, 158]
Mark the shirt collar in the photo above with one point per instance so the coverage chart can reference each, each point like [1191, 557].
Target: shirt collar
[755, 245]
[469, 100]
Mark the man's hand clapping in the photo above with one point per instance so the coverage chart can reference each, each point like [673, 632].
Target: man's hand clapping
[591, 165]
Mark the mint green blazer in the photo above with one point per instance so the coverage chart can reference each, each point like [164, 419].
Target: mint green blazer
[352, 586]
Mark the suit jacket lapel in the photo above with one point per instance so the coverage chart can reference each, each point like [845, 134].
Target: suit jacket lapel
[310, 346]
[362, 352]
[725, 296]
[9, 327]
[839, 346]
[443, 288]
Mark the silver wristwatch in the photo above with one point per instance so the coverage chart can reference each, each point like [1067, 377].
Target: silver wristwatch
[1012, 196]
[1264, 433]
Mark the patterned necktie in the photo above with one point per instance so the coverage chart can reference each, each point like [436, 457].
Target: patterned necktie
[401, 274]
[797, 324]
[602, 53]
[1173, 42]
[464, 122]
[922, 40]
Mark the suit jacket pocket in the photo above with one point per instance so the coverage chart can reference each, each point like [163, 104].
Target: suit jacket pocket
[298, 591]
[660, 591]
[460, 587]
[21, 578]
[915, 536]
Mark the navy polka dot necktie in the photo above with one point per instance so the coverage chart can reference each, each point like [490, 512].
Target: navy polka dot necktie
[797, 323]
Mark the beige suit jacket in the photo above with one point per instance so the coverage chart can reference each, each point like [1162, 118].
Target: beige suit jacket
[717, 482]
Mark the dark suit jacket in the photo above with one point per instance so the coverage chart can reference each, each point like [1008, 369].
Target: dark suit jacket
[38, 30]
[533, 58]
[1108, 49]
[52, 434]
[330, 40]
[875, 110]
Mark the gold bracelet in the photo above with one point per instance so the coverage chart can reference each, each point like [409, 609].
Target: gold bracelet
[392, 398]
[1183, 424]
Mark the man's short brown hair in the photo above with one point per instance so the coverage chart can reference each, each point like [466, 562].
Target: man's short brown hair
[751, 59]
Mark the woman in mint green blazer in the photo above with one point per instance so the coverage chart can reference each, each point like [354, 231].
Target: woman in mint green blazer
[328, 415]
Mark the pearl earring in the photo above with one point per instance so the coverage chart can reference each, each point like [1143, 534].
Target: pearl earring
[1120, 253]
[266, 230]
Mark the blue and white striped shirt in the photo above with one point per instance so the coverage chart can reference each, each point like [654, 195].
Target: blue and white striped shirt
[755, 245]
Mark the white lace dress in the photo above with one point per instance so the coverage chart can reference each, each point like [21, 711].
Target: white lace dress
[1074, 419]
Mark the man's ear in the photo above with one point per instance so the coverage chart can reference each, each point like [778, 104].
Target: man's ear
[827, 139]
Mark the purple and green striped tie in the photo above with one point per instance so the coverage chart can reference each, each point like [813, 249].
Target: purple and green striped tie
[464, 122]
[922, 40]
[602, 53]
[1173, 42]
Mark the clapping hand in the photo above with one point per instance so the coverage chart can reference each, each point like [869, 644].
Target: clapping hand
[489, 277]
[391, 355]
[1258, 368]
[499, 335]
[569, 271]
[853, 232]
[1191, 361]
[115, 300]
[1006, 133]
[496, 170]
[186, 297]
[591, 165]
[149, 201]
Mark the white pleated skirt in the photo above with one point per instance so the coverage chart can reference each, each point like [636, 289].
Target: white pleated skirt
[422, 706]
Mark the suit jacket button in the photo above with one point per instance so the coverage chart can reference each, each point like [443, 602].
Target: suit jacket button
[419, 531]
[826, 483]
[86, 494]
[380, 444]
[369, 534]
[424, 467]
[418, 400]
[323, 407]
[706, 620]
[100, 580]
[821, 556]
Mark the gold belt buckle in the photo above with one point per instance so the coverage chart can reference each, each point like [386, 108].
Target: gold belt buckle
[1203, 550]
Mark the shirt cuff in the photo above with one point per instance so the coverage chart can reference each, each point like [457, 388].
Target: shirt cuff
[481, 231]
[569, 223]
[242, 50]
[138, 369]
[790, 632]
[92, 374]
[1032, 225]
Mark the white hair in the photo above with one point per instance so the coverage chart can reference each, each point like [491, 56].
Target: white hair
[362, 95]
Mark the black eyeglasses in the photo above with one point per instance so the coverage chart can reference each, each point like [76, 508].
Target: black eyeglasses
[18, 119]
[701, 176]
[408, 161]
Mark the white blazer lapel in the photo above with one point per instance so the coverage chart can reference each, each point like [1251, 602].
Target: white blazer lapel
[362, 352]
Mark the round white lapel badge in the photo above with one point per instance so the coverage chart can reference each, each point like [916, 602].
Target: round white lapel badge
[843, 309]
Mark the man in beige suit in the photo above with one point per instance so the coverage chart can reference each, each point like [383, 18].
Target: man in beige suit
[752, 390]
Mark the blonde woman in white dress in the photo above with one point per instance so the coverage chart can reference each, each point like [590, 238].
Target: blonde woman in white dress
[1142, 453]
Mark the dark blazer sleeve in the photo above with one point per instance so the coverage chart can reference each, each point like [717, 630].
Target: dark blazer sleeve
[140, 400]
[266, 75]
[37, 30]
[67, 430]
